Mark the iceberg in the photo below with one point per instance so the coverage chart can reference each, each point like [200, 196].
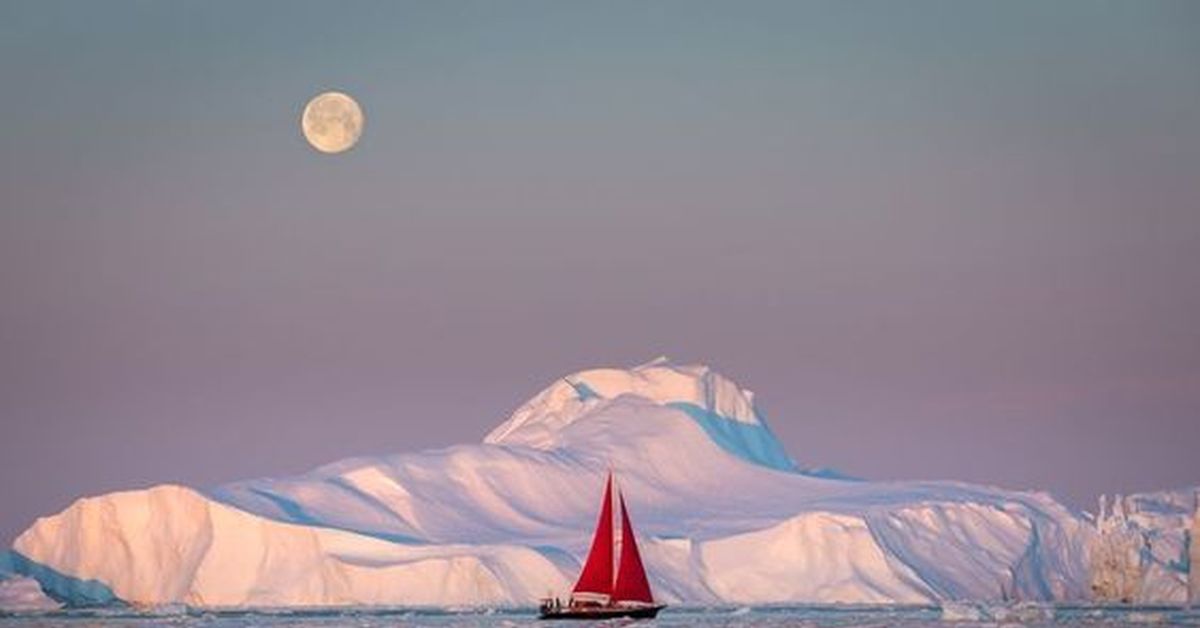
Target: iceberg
[726, 517]
[1145, 551]
[19, 594]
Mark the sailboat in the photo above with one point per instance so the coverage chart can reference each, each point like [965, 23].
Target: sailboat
[597, 595]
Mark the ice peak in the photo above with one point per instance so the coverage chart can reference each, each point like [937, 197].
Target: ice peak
[725, 410]
[661, 360]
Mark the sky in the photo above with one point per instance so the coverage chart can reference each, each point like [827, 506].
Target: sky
[943, 240]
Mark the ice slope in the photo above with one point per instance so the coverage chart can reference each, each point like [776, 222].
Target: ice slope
[723, 514]
[170, 544]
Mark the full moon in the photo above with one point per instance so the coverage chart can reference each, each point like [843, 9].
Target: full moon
[332, 122]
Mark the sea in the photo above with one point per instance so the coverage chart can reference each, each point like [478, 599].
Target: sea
[963, 615]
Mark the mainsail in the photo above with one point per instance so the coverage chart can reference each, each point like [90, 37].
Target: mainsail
[596, 579]
[596, 583]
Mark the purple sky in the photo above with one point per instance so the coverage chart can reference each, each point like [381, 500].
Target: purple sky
[938, 239]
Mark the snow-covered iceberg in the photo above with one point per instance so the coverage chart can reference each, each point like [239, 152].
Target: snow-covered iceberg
[726, 516]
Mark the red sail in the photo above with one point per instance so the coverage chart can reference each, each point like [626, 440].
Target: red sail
[597, 575]
[631, 585]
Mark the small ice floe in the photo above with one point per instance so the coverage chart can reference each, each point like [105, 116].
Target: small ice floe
[961, 611]
[161, 610]
[19, 594]
[1024, 612]
[1146, 617]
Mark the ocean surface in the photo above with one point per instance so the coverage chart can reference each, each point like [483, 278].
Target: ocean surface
[964, 615]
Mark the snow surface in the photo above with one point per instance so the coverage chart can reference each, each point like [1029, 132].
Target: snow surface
[720, 519]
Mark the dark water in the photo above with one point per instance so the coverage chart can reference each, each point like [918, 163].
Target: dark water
[965, 615]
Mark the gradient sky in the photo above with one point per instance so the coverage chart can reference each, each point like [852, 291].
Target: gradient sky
[939, 239]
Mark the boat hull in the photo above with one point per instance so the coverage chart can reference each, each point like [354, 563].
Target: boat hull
[602, 612]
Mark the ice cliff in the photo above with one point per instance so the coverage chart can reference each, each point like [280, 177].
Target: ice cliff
[1145, 548]
[724, 515]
